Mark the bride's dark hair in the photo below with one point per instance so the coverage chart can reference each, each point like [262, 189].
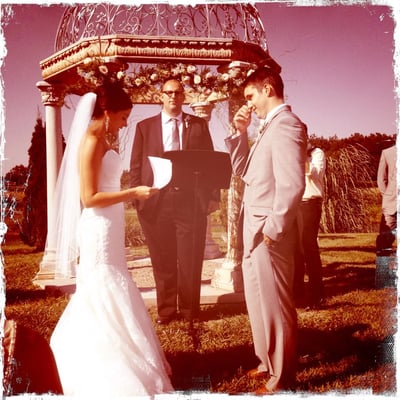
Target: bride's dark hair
[111, 97]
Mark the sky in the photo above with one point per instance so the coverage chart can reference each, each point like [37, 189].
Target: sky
[337, 65]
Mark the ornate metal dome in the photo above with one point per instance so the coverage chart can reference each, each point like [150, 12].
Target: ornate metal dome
[94, 40]
[227, 21]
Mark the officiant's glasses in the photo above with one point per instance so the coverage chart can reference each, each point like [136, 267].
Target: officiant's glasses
[170, 93]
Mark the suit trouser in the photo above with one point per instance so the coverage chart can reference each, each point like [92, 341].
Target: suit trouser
[176, 248]
[268, 274]
[308, 256]
[386, 237]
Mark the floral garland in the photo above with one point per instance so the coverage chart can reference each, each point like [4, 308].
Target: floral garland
[144, 83]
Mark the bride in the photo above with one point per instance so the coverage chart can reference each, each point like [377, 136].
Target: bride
[104, 343]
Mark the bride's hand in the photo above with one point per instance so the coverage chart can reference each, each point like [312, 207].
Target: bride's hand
[144, 192]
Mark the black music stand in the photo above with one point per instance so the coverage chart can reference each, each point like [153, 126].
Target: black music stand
[198, 170]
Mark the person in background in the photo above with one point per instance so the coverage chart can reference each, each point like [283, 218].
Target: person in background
[308, 257]
[104, 344]
[273, 174]
[387, 184]
[167, 219]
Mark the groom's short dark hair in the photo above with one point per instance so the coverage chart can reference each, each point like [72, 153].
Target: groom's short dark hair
[265, 75]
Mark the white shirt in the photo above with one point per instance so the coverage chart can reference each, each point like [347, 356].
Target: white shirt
[269, 116]
[273, 112]
[315, 175]
[167, 124]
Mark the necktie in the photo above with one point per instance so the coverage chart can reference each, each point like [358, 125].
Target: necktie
[175, 145]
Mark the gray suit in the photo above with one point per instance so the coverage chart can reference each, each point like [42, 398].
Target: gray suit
[273, 173]
[387, 182]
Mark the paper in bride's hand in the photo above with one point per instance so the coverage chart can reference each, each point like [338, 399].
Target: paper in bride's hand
[162, 171]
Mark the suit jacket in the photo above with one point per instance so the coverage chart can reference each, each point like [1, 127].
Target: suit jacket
[386, 179]
[273, 173]
[148, 142]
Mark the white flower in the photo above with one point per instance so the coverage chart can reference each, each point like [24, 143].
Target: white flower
[225, 77]
[235, 72]
[120, 75]
[154, 77]
[175, 71]
[249, 72]
[191, 69]
[187, 121]
[103, 69]
[197, 79]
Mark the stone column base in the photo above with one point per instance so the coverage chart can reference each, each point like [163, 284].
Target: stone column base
[228, 276]
[47, 267]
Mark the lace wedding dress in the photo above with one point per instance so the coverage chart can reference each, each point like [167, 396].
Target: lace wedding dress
[104, 343]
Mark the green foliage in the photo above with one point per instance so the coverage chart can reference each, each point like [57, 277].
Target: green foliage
[374, 143]
[125, 180]
[133, 231]
[17, 175]
[34, 223]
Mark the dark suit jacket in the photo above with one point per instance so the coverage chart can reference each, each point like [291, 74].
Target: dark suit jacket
[148, 142]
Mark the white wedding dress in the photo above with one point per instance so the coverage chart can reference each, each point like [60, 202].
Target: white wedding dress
[104, 344]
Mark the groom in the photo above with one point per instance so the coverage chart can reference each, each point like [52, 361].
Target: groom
[167, 218]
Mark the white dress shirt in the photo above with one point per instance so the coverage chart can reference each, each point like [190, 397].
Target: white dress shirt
[167, 124]
[315, 175]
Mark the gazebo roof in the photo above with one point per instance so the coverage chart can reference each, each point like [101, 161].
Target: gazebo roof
[122, 35]
[224, 21]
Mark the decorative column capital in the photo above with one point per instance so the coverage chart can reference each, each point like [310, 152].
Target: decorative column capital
[52, 94]
[203, 109]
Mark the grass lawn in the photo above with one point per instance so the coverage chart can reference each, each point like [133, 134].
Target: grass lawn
[345, 347]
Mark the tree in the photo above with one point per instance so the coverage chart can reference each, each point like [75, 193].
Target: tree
[17, 175]
[34, 223]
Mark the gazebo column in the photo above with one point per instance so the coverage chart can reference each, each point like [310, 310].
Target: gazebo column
[203, 109]
[228, 275]
[53, 100]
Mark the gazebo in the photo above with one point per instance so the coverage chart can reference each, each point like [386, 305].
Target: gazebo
[210, 47]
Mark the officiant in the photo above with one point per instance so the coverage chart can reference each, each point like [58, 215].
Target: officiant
[167, 219]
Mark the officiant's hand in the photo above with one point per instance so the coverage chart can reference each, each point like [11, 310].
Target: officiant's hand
[144, 192]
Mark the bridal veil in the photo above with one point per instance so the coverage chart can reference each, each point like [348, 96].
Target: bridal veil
[66, 207]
